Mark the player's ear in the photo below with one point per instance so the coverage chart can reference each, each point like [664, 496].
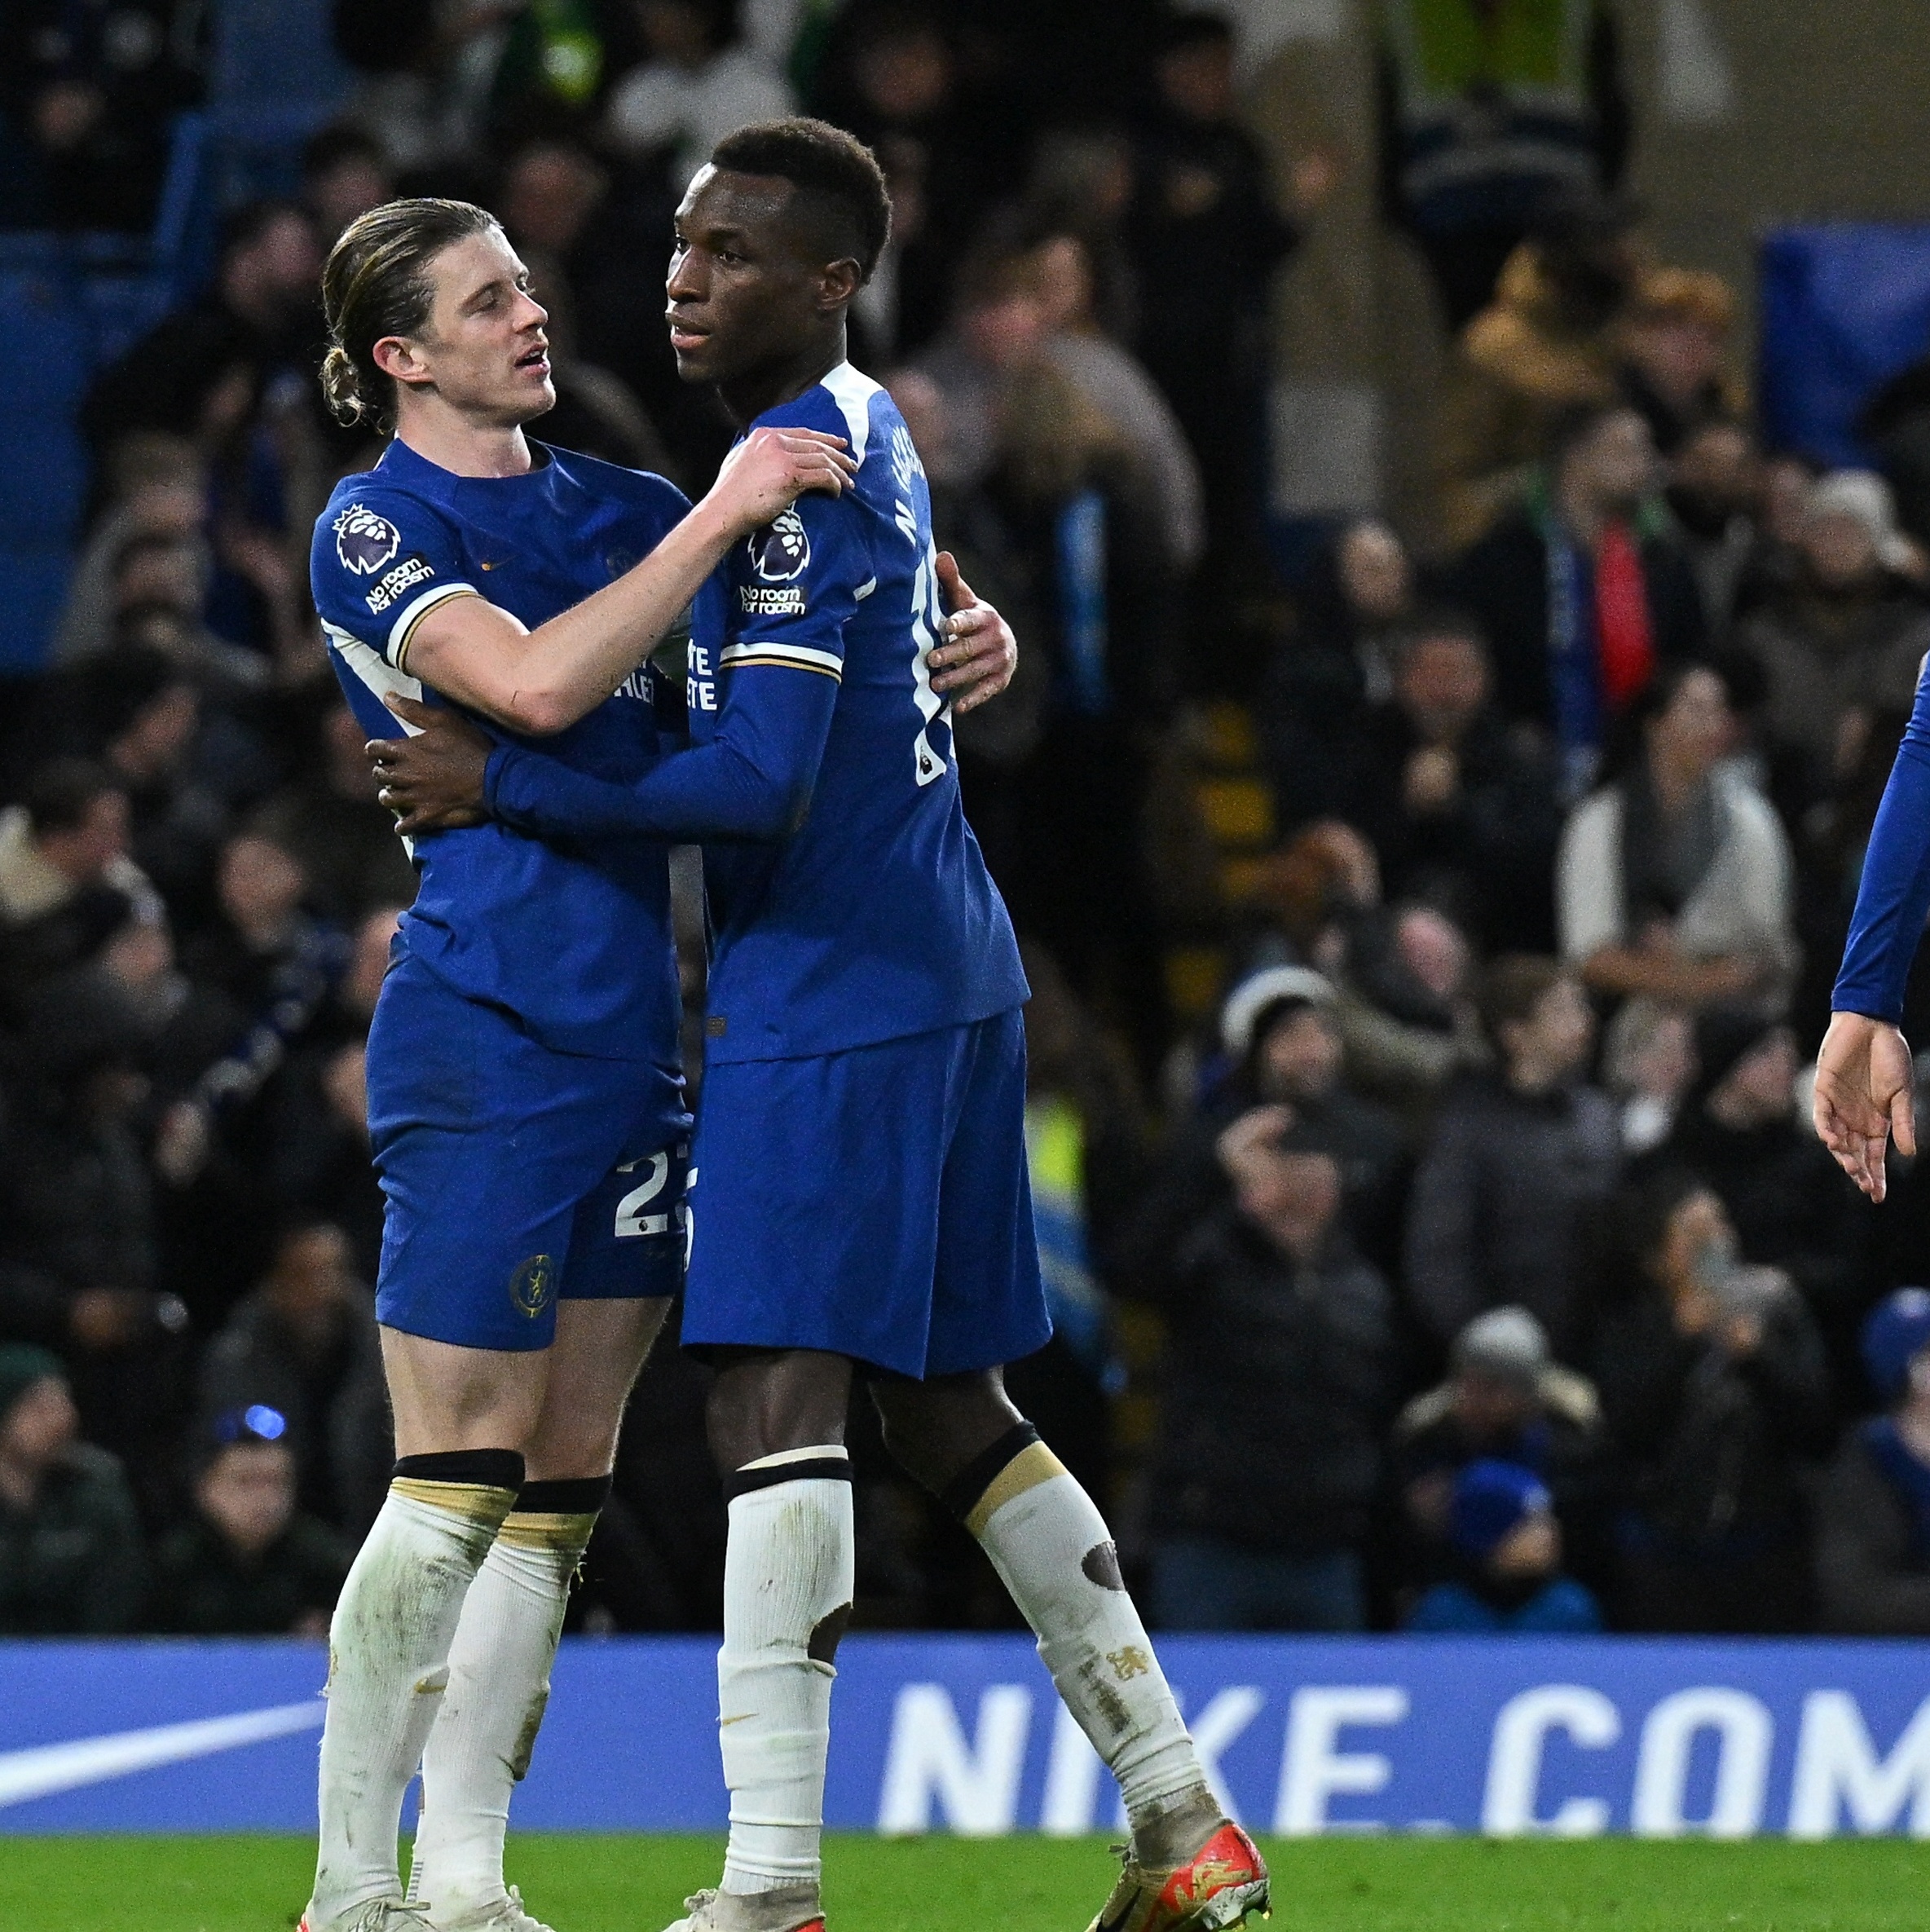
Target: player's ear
[399, 358]
[838, 283]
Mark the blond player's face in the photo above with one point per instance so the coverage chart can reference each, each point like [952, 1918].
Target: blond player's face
[484, 352]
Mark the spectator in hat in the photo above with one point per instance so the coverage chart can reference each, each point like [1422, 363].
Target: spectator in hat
[1516, 1159]
[1503, 1530]
[249, 1564]
[1841, 640]
[70, 1541]
[1506, 1400]
[1873, 1519]
[1284, 1065]
[1279, 1380]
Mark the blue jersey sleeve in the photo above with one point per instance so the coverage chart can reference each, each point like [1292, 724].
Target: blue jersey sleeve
[383, 559]
[760, 702]
[1893, 896]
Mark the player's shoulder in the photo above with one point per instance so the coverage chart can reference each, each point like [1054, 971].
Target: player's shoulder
[371, 518]
[641, 489]
[847, 403]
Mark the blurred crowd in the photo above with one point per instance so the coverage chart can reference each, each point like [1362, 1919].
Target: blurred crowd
[1429, 927]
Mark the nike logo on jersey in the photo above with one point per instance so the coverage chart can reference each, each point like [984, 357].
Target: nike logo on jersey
[45, 1769]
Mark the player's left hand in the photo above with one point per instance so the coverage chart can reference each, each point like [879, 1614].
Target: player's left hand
[432, 780]
[980, 654]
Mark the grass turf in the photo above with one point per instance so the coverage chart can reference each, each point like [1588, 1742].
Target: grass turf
[595, 1884]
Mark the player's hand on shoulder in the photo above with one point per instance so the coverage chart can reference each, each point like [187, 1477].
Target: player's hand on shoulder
[772, 468]
[433, 780]
[980, 654]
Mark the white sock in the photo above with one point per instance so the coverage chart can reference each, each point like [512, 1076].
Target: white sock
[788, 1567]
[478, 1749]
[388, 1666]
[1052, 1548]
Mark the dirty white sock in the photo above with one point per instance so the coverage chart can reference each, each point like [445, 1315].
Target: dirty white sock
[479, 1748]
[1052, 1548]
[388, 1661]
[787, 1588]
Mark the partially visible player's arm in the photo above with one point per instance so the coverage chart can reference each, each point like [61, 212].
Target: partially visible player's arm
[753, 780]
[544, 680]
[1863, 1073]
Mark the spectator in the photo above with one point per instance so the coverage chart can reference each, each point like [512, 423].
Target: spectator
[1581, 590]
[1205, 227]
[1545, 349]
[70, 1542]
[1504, 1400]
[1461, 809]
[1276, 1392]
[1484, 141]
[699, 81]
[91, 94]
[1843, 639]
[1790, 1204]
[1648, 1060]
[1503, 1528]
[345, 173]
[1673, 882]
[1283, 1054]
[1715, 493]
[1517, 1159]
[248, 1564]
[1113, 384]
[78, 1234]
[317, 1109]
[1408, 1020]
[304, 1346]
[1674, 342]
[1337, 662]
[1873, 1515]
[329, 821]
[1714, 1389]
[66, 880]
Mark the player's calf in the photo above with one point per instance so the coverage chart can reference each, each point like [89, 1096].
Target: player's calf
[1052, 1548]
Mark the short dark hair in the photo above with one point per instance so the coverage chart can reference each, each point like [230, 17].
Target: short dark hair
[58, 796]
[830, 168]
[1441, 620]
[327, 147]
[1514, 986]
[1193, 29]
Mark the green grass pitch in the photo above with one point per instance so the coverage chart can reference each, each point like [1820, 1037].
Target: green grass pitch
[596, 1884]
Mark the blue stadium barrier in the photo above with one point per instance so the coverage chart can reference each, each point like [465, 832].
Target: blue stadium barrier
[1568, 1738]
[1845, 306]
[277, 78]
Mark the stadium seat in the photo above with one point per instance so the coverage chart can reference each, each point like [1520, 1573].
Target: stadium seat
[1845, 305]
[276, 79]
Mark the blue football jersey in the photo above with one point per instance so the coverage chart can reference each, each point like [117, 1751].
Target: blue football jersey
[876, 920]
[572, 936]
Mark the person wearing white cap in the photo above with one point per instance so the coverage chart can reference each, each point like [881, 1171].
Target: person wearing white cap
[1284, 1061]
[1843, 641]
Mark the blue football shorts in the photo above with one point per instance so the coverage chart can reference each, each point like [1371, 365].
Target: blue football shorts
[512, 1174]
[873, 1203]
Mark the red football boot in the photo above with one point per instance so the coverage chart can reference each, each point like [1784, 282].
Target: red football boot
[1217, 1886]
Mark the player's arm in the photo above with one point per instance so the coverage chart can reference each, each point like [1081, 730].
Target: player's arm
[543, 680]
[753, 780]
[1864, 1086]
